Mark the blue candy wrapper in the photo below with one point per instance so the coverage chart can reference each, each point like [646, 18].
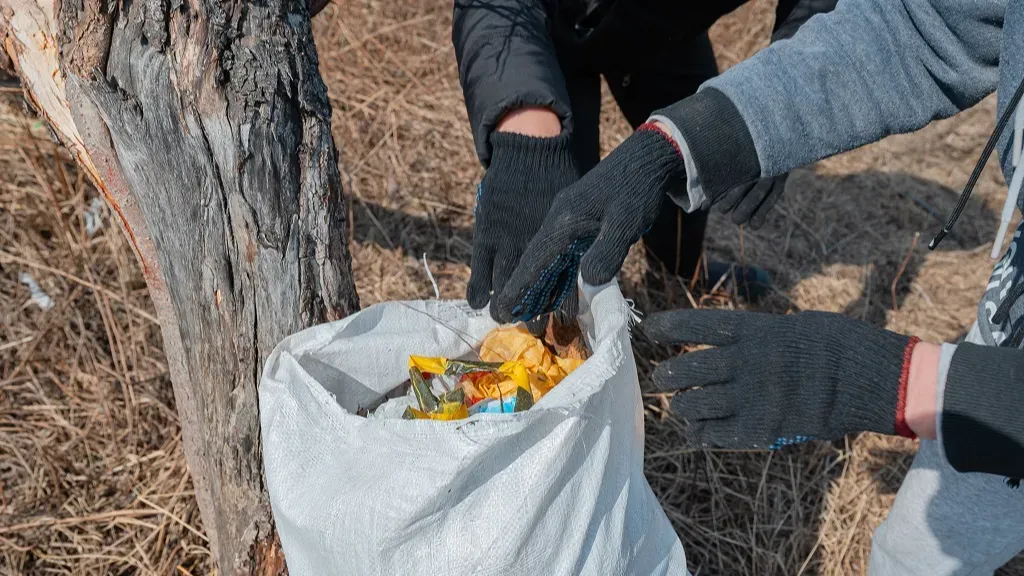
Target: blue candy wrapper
[494, 406]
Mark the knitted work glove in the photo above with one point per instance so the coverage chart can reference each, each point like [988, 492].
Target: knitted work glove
[775, 380]
[524, 176]
[751, 202]
[592, 224]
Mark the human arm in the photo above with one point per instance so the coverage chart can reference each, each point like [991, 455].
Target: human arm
[750, 202]
[519, 113]
[507, 62]
[597, 219]
[868, 69]
[535, 121]
[775, 380]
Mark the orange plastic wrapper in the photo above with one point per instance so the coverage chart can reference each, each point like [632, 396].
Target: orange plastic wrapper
[516, 344]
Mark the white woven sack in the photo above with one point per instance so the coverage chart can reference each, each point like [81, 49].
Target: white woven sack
[558, 489]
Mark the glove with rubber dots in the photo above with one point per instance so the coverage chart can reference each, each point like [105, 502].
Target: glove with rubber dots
[774, 380]
[593, 223]
[524, 175]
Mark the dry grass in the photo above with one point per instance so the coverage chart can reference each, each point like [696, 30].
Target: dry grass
[92, 479]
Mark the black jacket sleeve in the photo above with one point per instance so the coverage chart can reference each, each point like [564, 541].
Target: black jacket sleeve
[790, 15]
[507, 60]
[983, 410]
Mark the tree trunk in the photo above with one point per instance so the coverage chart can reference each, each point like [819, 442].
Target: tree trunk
[206, 125]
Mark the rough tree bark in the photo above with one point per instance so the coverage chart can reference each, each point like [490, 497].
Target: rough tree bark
[206, 125]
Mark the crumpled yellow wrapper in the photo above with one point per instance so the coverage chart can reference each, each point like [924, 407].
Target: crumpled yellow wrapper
[447, 411]
[516, 344]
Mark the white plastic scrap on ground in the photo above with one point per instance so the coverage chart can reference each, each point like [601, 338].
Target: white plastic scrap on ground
[437, 293]
[94, 216]
[40, 298]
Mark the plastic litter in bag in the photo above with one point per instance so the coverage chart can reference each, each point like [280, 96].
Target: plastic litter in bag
[515, 371]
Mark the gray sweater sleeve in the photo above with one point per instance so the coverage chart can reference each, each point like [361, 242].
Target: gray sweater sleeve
[867, 69]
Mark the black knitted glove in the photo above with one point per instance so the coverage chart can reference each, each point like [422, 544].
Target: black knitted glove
[524, 176]
[592, 224]
[777, 380]
[751, 202]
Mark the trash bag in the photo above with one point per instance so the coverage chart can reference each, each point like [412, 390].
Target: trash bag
[557, 489]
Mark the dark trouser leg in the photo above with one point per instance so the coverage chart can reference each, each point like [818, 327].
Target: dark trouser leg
[676, 240]
[585, 101]
[790, 15]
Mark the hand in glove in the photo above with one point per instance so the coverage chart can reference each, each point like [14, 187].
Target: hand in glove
[750, 203]
[593, 223]
[523, 178]
[722, 152]
[775, 380]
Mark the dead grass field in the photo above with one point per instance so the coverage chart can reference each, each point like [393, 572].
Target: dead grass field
[92, 478]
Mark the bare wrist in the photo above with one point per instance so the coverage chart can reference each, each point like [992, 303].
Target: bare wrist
[536, 121]
[922, 386]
